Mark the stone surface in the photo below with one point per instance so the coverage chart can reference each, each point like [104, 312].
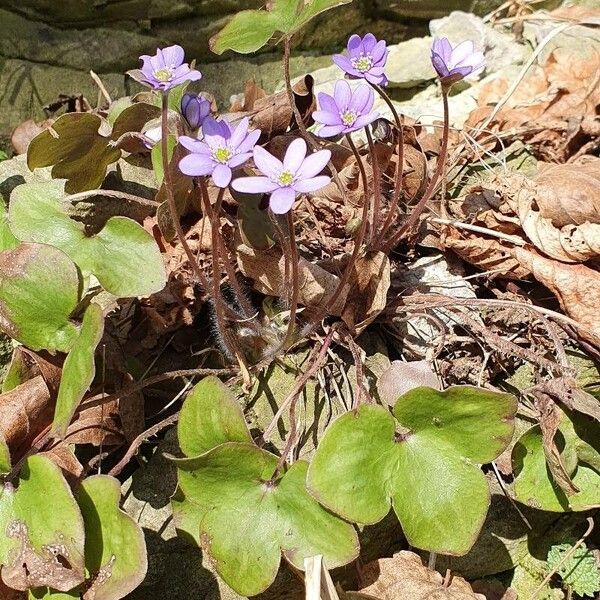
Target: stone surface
[47, 47]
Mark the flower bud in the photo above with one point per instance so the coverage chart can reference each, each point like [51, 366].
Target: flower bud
[195, 109]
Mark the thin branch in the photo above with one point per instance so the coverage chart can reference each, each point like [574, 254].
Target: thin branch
[139, 440]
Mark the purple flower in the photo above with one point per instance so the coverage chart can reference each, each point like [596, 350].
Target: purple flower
[297, 174]
[366, 59]
[346, 111]
[166, 69]
[195, 108]
[454, 63]
[221, 150]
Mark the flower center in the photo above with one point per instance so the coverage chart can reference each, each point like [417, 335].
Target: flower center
[362, 63]
[222, 155]
[348, 117]
[286, 178]
[165, 74]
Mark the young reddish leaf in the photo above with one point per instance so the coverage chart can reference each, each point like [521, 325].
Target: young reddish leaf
[75, 150]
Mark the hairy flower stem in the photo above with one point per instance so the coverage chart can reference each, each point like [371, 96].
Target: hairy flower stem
[441, 162]
[398, 182]
[247, 309]
[168, 182]
[294, 259]
[376, 186]
[229, 340]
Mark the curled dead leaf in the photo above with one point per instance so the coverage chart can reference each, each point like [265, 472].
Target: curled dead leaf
[267, 270]
[560, 210]
[404, 576]
[25, 412]
[367, 291]
[577, 288]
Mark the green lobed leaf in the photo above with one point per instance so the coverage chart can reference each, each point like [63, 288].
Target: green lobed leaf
[39, 289]
[244, 520]
[123, 256]
[79, 369]
[115, 549]
[424, 462]
[75, 150]
[250, 30]
[210, 416]
[44, 545]
[534, 485]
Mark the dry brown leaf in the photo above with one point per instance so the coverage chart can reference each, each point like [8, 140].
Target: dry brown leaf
[488, 254]
[577, 288]
[560, 210]
[96, 424]
[273, 114]
[25, 412]
[367, 291]
[267, 270]
[404, 577]
[246, 101]
[63, 456]
[577, 80]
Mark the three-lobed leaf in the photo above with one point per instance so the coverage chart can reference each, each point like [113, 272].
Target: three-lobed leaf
[245, 520]
[423, 460]
[78, 370]
[39, 289]
[232, 504]
[122, 255]
[76, 151]
[250, 30]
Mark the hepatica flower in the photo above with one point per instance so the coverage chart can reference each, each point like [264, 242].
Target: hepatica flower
[165, 69]
[221, 150]
[346, 111]
[453, 63]
[366, 59]
[297, 174]
[195, 108]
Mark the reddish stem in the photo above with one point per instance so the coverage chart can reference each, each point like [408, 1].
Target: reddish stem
[398, 183]
[441, 162]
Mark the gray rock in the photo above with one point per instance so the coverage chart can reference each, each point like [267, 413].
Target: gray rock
[409, 63]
